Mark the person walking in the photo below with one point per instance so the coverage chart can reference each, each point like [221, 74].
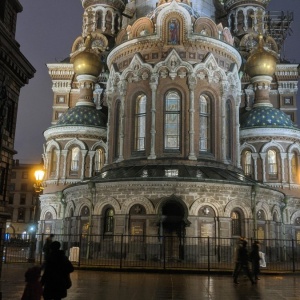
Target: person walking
[255, 258]
[56, 277]
[33, 289]
[46, 247]
[242, 263]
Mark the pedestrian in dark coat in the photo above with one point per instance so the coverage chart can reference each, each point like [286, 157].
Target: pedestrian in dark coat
[46, 247]
[255, 258]
[56, 277]
[33, 289]
[242, 263]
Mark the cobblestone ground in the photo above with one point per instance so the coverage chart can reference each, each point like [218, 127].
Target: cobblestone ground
[105, 285]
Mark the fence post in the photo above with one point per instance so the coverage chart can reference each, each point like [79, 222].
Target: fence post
[293, 255]
[121, 254]
[208, 256]
[80, 246]
[164, 251]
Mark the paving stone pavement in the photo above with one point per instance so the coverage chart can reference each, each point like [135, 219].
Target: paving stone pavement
[113, 285]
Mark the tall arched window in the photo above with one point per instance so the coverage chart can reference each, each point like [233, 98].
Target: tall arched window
[272, 164]
[248, 163]
[99, 160]
[294, 168]
[228, 124]
[117, 130]
[53, 162]
[75, 159]
[172, 121]
[99, 21]
[109, 221]
[236, 223]
[204, 124]
[140, 123]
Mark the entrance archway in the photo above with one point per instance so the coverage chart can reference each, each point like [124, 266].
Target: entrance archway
[173, 229]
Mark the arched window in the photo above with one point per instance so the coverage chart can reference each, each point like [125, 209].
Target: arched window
[99, 21]
[109, 221]
[75, 159]
[272, 164]
[172, 121]
[99, 160]
[248, 163]
[236, 223]
[294, 168]
[204, 124]
[228, 124]
[117, 130]
[53, 162]
[140, 123]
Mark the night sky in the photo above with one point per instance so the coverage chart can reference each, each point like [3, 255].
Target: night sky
[46, 31]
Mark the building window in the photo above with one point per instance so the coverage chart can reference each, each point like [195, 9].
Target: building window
[109, 221]
[236, 223]
[21, 215]
[13, 175]
[25, 175]
[228, 124]
[60, 99]
[58, 114]
[248, 163]
[22, 199]
[75, 159]
[24, 187]
[288, 101]
[272, 164]
[53, 162]
[99, 160]
[140, 123]
[294, 168]
[204, 124]
[172, 121]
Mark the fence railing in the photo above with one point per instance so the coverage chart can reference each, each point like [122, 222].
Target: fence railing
[155, 252]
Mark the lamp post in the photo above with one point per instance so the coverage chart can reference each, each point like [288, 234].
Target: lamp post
[38, 189]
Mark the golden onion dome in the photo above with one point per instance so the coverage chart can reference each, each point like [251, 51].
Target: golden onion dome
[261, 62]
[87, 62]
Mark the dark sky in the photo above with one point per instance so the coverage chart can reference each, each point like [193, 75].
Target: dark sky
[46, 30]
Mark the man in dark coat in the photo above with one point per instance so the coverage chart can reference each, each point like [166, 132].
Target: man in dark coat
[46, 247]
[255, 259]
[56, 277]
[242, 263]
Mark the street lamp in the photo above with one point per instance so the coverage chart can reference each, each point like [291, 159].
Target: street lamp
[38, 189]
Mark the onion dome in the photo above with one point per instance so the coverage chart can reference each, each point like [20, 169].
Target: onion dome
[83, 116]
[265, 116]
[261, 62]
[87, 62]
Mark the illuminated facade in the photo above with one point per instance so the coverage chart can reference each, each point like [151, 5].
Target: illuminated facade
[173, 136]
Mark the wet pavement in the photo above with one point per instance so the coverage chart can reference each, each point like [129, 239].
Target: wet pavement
[113, 285]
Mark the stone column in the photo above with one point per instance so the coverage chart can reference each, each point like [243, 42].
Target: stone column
[83, 155]
[192, 81]
[255, 157]
[64, 154]
[283, 156]
[153, 85]
[122, 90]
[263, 158]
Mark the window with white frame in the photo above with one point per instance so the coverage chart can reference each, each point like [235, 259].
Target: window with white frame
[140, 123]
[172, 121]
[272, 163]
[204, 124]
[75, 159]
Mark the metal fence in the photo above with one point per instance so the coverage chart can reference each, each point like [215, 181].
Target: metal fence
[153, 252]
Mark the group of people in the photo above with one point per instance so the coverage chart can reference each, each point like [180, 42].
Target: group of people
[243, 257]
[52, 279]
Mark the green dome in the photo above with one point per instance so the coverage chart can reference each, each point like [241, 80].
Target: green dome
[83, 116]
[265, 117]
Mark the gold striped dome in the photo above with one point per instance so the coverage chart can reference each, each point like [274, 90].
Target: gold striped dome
[261, 61]
[87, 62]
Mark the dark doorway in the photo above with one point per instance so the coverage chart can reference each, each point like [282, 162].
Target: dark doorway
[173, 230]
